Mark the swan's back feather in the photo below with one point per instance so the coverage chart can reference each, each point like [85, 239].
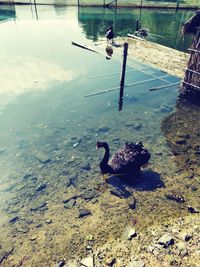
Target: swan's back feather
[129, 158]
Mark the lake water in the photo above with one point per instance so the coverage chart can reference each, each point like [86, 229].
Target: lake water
[49, 130]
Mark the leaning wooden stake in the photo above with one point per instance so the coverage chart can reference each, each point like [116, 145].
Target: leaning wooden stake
[123, 72]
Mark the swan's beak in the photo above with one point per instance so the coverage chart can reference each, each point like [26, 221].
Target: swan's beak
[97, 147]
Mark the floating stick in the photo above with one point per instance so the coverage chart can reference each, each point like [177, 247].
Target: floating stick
[163, 86]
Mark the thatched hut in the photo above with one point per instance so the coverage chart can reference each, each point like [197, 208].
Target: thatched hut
[191, 83]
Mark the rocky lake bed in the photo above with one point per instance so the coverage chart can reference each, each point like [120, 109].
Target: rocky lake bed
[57, 209]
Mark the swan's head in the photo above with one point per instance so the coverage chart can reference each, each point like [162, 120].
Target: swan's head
[101, 144]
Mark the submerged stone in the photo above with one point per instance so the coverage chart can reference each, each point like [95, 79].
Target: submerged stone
[129, 233]
[103, 129]
[39, 206]
[41, 187]
[132, 202]
[70, 204]
[136, 263]
[42, 157]
[166, 240]
[23, 229]
[87, 262]
[88, 195]
[14, 219]
[61, 263]
[84, 213]
[116, 192]
[86, 167]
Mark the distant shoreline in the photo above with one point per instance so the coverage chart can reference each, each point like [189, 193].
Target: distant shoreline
[144, 5]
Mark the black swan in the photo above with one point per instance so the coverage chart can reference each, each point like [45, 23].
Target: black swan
[127, 159]
[110, 34]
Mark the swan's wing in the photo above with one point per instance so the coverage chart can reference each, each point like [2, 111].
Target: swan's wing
[130, 157]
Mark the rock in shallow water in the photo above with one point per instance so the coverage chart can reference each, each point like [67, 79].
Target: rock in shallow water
[89, 194]
[84, 213]
[129, 233]
[132, 202]
[136, 263]
[166, 240]
[14, 219]
[42, 157]
[87, 262]
[70, 204]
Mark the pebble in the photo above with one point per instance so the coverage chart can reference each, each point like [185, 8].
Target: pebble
[116, 192]
[23, 229]
[70, 204]
[136, 263]
[84, 213]
[192, 210]
[129, 233]
[88, 195]
[14, 219]
[48, 221]
[33, 238]
[87, 262]
[186, 236]
[42, 157]
[41, 187]
[103, 129]
[61, 263]
[86, 167]
[75, 196]
[40, 206]
[132, 202]
[166, 240]
[110, 261]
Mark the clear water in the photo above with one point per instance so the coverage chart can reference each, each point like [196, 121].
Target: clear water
[49, 130]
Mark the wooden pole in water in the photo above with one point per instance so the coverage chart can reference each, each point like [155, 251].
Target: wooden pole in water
[123, 72]
[177, 4]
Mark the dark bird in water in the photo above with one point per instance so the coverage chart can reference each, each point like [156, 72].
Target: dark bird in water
[128, 159]
[110, 34]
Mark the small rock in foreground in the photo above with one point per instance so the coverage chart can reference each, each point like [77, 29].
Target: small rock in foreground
[87, 262]
[136, 263]
[84, 213]
[166, 240]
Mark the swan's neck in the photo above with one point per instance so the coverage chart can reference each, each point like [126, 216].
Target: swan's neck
[105, 168]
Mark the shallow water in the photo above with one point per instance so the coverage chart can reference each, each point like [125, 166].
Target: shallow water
[49, 131]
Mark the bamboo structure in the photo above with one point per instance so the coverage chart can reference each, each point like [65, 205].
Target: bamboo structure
[190, 88]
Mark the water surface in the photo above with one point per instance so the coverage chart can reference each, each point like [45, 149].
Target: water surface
[49, 130]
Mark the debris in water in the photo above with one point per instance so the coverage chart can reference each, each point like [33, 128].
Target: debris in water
[75, 145]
